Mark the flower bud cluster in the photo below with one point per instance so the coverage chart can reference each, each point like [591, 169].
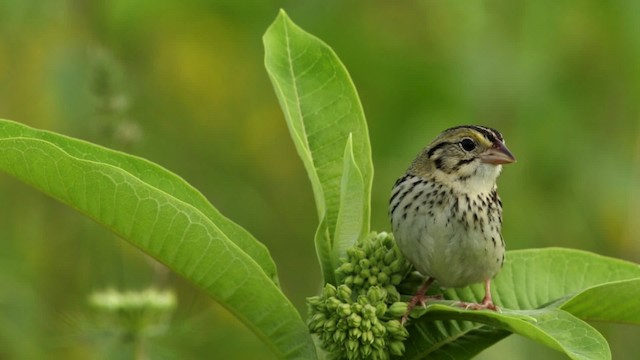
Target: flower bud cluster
[374, 261]
[365, 328]
[358, 319]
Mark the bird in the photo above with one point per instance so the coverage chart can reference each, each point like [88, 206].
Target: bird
[446, 214]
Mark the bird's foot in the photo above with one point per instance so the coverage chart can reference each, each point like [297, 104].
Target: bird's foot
[487, 301]
[486, 304]
[417, 299]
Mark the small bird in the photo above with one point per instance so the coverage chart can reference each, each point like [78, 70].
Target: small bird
[446, 214]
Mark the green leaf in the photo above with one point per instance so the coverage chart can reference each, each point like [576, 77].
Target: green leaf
[323, 251]
[615, 301]
[351, 222]
[534, 278]
[586, 285]
[449, 339]
[549, 326]
[165, 217]
[322, 110]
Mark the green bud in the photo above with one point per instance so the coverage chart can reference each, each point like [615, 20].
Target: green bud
[373, 280]
[332, 303]
[373, 295]
[367, 337]
[381, 309]
[394, 327]
[396, 279]
[317, 321]
[365, 273]
[378, 329]
[389, 243]
[346, 268]
[392, 293]
[358, 280]
[397, 309]
[355, 333]
[403, 335]
[360, 254]
[329, 325]
[343, 324]
[378, 343]
[365, 350]
[365, 325]
[357, 308]
[369, 312]
[396, 348]
[352, 345]
[364, 263]
[344, 293]
[354, 320]
[380, 354]
[329, 290]
[344, 310]
[396, 265]
[389, 257]
[339, 336]
[315, 302]
[376, 294]
[383, 278]
[375, 270]
[379, 253]
[363, 300]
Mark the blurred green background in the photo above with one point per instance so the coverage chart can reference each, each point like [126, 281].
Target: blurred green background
[182, 83]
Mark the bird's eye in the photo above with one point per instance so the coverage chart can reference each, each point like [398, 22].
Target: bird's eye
[467, 144]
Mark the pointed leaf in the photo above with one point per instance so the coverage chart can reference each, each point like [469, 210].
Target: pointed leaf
[550, 326]
[322, 109]
[162, 215]
[351, 222]
[323, 251]
[615, 301]
[534, 278]
[587, 285]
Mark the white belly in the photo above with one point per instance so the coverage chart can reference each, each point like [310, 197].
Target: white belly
[447, 244]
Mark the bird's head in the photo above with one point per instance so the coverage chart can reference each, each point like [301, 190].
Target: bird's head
[468, 158]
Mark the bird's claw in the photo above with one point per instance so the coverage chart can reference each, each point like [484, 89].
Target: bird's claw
[418, 299]
[478, 306]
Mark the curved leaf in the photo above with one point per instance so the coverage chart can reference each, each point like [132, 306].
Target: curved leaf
[578, 282]
[322, 109]
[449, 339]
[351, 223]
[550, 326]
[535, 278]
[615, 301]
[161, 214]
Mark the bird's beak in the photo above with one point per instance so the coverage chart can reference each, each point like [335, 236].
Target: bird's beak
[498, 154]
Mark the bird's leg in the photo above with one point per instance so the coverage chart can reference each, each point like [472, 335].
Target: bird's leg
[487, 302]
[418, 298]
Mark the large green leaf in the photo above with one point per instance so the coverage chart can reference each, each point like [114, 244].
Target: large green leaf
[550, 326]
[535, 278]
[322, 110]
[449, 339]
[553, 286]
[616, 301]
[161, 214]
